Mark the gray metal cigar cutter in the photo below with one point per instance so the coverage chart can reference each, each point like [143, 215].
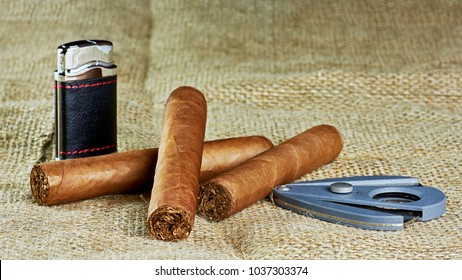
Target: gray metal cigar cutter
[368, 202]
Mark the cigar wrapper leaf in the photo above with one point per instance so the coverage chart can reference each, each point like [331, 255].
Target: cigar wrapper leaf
[65, 181]
[172, 207]
[235, 189]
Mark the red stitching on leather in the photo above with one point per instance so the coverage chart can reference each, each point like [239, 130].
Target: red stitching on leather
[88, 150]
[85, 85]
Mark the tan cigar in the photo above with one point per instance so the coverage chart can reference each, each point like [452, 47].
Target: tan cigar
[65, 181]
[172, 207]
[252, 180]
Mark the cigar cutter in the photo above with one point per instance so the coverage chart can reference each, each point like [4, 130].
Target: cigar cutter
[368, 202]
[85, 99]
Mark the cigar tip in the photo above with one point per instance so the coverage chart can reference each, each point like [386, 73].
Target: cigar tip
[214, 201]
[187, 90]
[336, 131]
[331, 128]
[265, 141]
[170, 223]
[39, 184]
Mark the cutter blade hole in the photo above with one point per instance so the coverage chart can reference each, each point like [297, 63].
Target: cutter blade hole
[396, 197]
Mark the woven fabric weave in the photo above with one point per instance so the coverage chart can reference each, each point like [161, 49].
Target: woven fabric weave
[387, 74]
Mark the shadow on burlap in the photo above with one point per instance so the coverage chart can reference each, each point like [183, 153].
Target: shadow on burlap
[386, 74]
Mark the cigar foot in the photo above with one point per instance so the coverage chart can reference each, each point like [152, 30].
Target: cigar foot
[170, 223]
[39, 185]
[215, 201]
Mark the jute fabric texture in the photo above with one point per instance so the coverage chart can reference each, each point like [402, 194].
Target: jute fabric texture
[387, 74]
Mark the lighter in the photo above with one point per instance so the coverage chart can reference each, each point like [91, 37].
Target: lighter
[85, 100]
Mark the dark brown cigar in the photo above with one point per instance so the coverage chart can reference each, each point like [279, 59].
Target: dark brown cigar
[172, 207]
[249, 182]
[65, 181]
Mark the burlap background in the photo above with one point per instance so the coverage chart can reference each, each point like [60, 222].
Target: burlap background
[386, 73]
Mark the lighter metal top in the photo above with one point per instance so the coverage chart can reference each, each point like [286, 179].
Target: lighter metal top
[76, 58]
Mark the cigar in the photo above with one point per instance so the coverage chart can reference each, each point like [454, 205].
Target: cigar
[172, 207]
[233, 190]
[65, 181]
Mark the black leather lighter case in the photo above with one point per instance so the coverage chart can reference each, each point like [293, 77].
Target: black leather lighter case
[85, 100]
